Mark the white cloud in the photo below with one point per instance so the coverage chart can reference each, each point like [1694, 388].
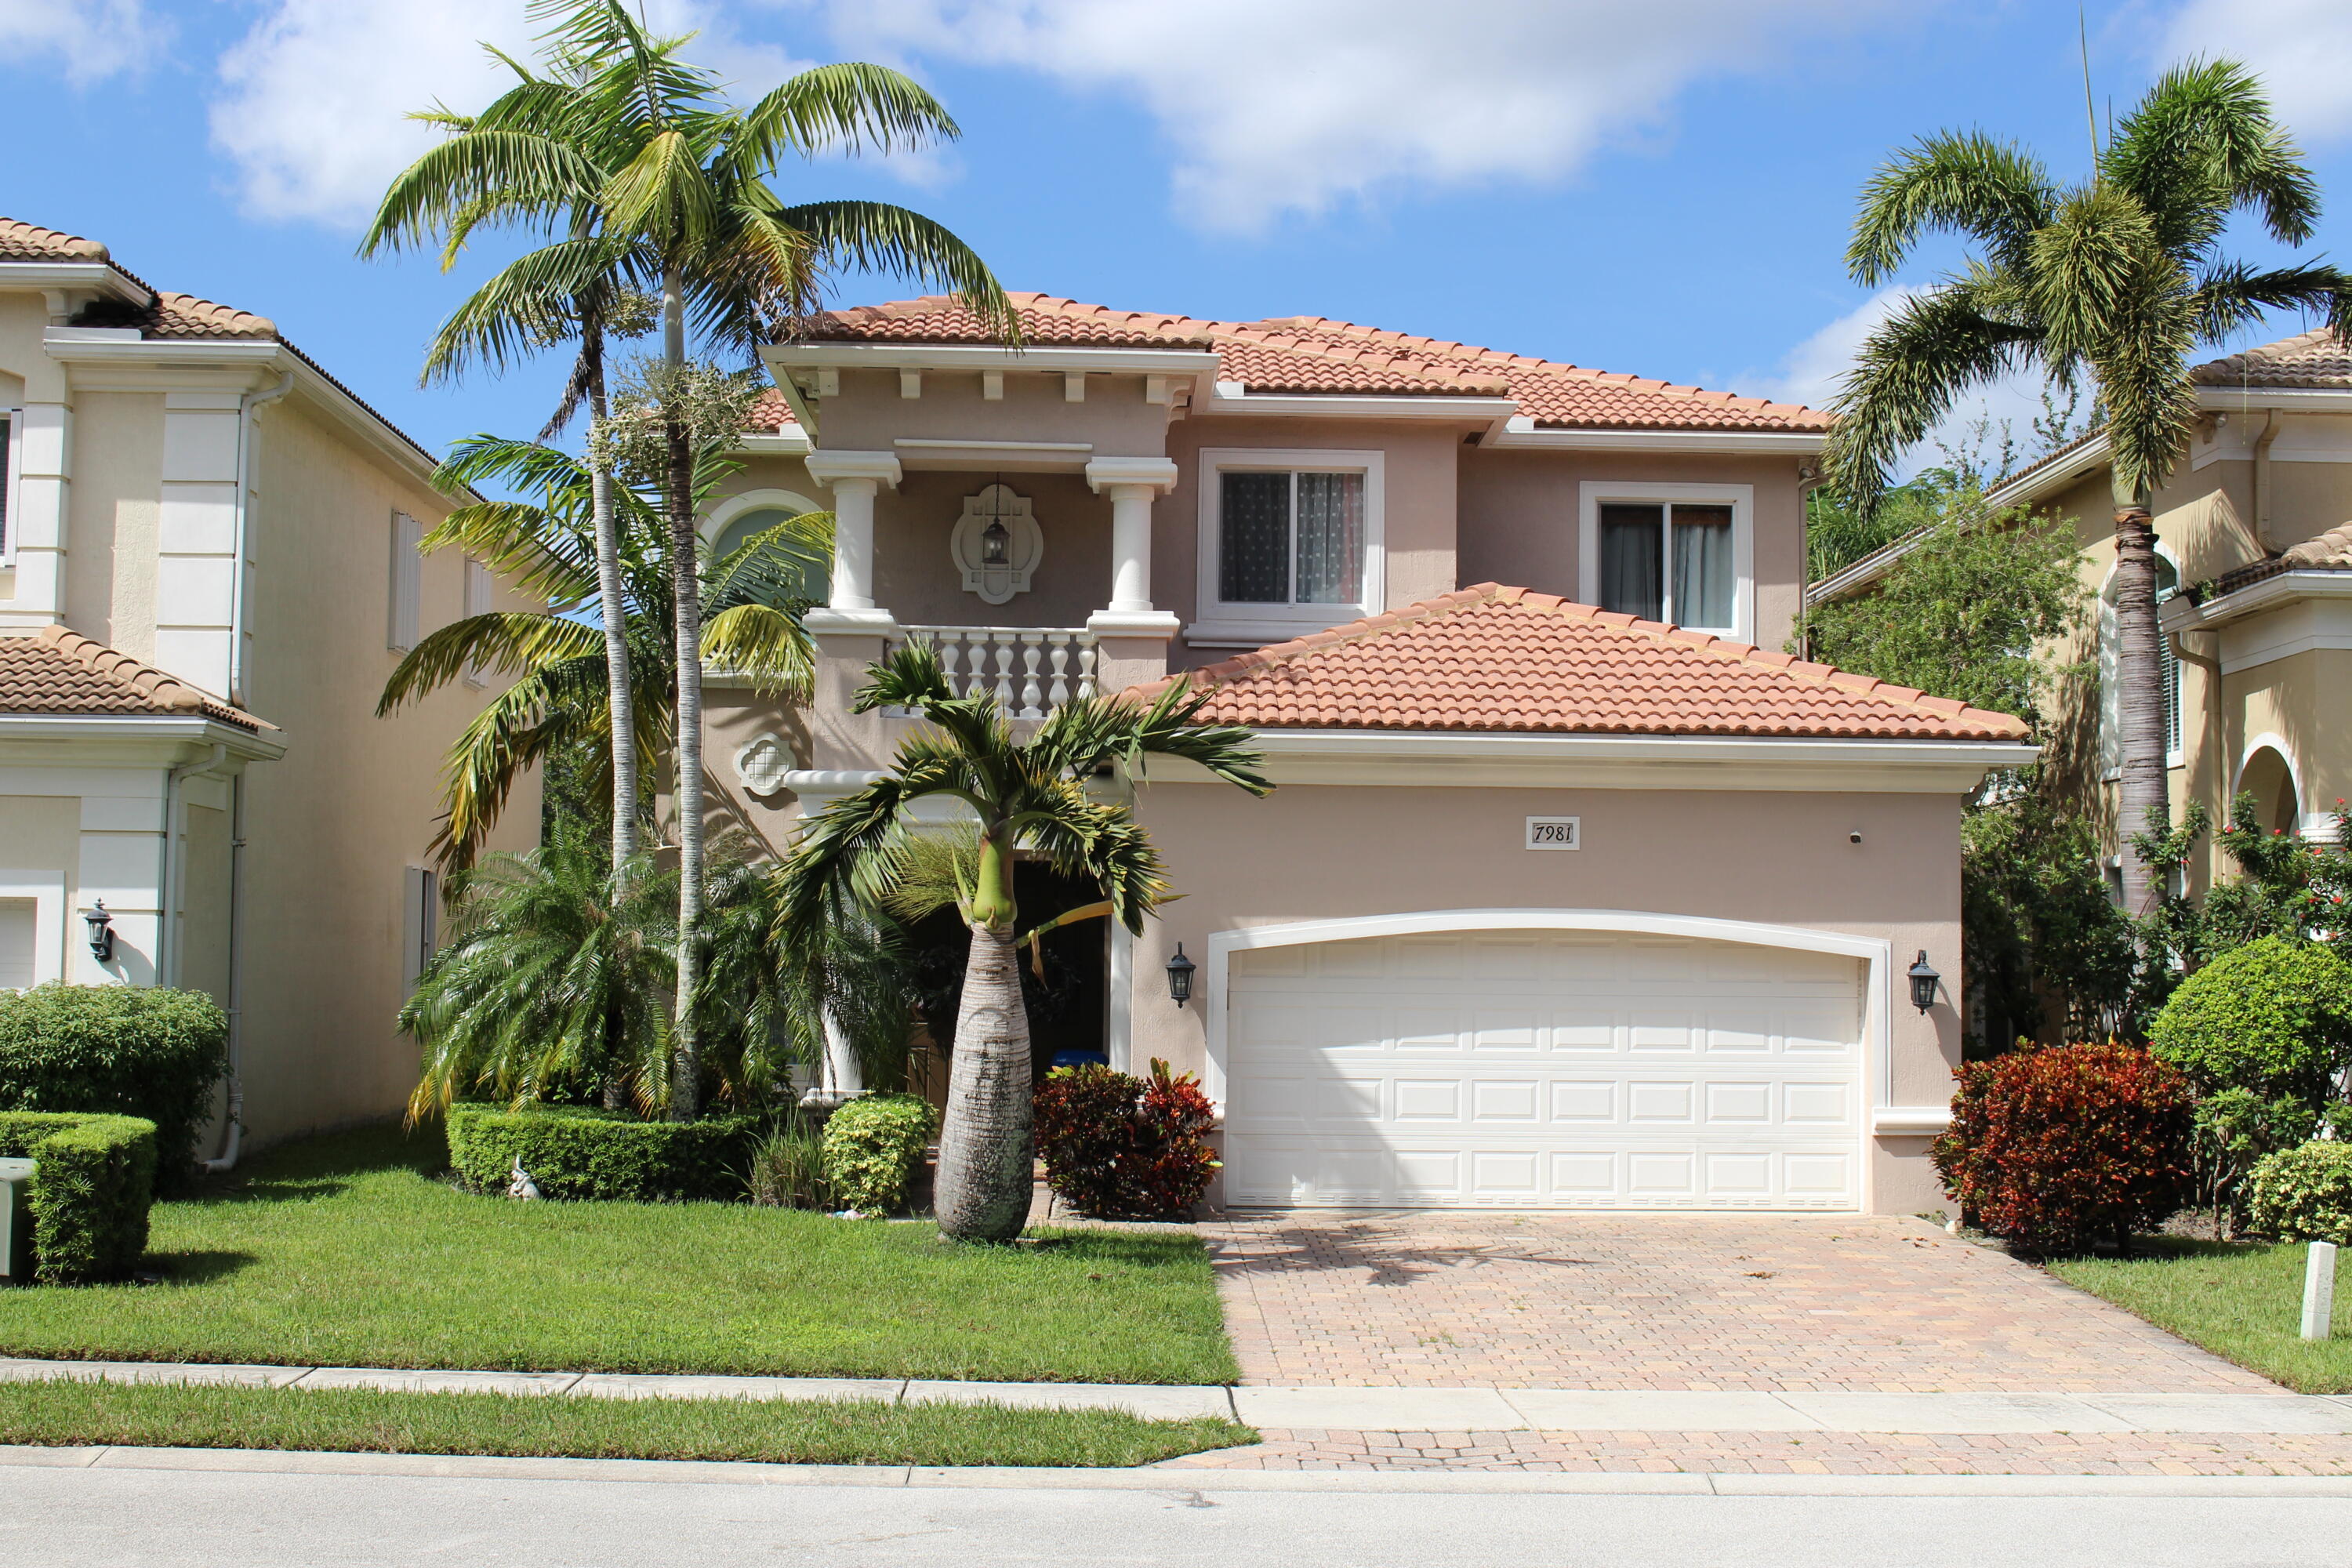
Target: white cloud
[315, 97]
[2302, 48]
[95, 38]
[1305, 104]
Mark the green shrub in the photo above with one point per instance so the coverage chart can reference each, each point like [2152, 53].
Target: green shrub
[2304, 1194]
[577, 1152]
[2273, 1017]
[1118, 1147]
[2054, 1149]
[122, 1050]
[788, 1168]
[873, 1147]
[93, 1180]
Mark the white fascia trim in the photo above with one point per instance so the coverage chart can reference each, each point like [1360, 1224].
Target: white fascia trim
[2030, 487]
[1471, 760]
[1522, 434]
[1197, 366]
[116, 732]
[98, 275]
[2268, 594]
[2287, 399]
[1234, 397]
[949, 453]
[775, 444]
[1873, 952]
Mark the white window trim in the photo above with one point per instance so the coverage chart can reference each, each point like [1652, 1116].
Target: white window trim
[2111, 722]
[1591, 493]
[405, 586]
[1252, 625]
[12, 464]
[47, 891]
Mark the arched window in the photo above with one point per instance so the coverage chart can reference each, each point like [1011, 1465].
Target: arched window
[2168, 582]
[2269, 777]
[739, 530]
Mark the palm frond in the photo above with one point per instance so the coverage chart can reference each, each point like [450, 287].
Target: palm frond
[877, 236]
[846, 106]
[506, 641]
[1969, 185]
[2203, 142]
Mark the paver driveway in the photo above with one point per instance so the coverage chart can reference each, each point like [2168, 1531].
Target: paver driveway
[1867, 1304]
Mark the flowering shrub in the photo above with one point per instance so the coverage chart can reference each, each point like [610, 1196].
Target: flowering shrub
[2053, 1149]
[2304, 1194]
[1119, 1147]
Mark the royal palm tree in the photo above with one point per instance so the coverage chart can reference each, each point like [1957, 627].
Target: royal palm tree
[2115, 279]
[1024, 794]
[691, 202]
[756, 593]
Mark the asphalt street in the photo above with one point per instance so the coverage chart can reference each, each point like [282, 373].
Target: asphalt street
[166, 1517]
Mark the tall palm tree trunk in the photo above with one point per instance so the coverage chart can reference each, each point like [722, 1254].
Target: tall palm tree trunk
[685, 581]
[984, 1179]
[2142, 801]
[615, 613]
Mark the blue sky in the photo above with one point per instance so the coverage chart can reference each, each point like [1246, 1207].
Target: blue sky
[1661, 188]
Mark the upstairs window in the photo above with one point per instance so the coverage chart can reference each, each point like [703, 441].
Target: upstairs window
[1679, 556]
[404, 608]
[1291, 542]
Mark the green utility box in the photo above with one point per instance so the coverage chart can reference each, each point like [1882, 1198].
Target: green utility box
[17, 1221]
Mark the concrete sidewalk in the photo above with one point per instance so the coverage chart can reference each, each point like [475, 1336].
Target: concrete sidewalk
[1359, 1410]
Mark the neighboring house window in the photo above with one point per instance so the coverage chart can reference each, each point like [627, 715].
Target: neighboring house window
[2111, 744]
[420, 919]
[478, 603]
[1679, 553]
[407, 584]
[10, 419]
[1290, 542]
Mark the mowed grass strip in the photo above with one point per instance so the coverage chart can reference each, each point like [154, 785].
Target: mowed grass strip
[354, 1250]
[556, 1427]
[2242, 1300]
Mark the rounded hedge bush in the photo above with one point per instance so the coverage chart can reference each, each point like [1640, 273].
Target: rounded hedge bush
[2303, 1193]
[578, 1152]
[2273, 1017]
[872, 1148]
[2058, 1149]
[118, 1050]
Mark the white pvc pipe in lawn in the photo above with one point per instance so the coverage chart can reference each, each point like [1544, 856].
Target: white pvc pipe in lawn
[2319, 1289]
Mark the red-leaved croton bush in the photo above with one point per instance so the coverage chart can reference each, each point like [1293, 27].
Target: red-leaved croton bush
[2055, 1149]
[1120, 1147]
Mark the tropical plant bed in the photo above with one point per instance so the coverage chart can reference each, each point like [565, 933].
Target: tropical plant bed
[355, 1250]
[357, 1420]
[2242, 1300]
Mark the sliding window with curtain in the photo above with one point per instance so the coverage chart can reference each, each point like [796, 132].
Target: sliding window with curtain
[1288, 538]
[1672, 561]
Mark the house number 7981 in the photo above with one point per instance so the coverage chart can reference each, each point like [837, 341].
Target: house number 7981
[1554, 833]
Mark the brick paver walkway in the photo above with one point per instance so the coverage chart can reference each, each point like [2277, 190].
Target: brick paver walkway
[1866, 1304]
[1787, 1453]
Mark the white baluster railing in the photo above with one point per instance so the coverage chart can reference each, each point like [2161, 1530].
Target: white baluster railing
[1028, 671]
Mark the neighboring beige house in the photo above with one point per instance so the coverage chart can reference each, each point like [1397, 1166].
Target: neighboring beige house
[2254, 540]
[1556, 905]
[207, 569]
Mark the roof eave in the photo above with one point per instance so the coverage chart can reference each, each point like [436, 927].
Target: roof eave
[1522, 433]
[2289, 399]
[99, 277]
[118, 729]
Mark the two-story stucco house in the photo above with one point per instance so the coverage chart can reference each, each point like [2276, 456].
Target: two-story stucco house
[2254, 569]
[208, 566]
[1575, 892]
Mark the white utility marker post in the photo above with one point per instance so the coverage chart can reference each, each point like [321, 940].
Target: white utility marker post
[2319, 1289]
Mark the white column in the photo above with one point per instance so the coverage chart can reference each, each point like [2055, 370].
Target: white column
[856, 477]
[1132, 484]
[37, 524]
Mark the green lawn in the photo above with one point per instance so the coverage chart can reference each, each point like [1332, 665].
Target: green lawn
[2239, 1300]
[351, 1250]
[352, 1420]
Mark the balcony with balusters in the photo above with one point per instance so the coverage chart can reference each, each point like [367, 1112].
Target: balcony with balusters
[1028, 671]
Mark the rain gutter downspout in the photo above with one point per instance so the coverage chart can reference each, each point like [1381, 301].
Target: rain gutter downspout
[2262, 481]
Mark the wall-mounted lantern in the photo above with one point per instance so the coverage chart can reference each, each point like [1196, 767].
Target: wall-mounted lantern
[995, 540]
[102, 931]
[1180, 977]
[1924, 981]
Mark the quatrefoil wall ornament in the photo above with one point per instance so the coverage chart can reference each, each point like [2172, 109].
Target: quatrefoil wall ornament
[996, 544]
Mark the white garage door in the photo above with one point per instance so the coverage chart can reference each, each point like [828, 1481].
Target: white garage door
[1550, 1070]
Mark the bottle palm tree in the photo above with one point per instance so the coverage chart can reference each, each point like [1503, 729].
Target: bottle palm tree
[693, 200]
[2115, 279]
[756, 593]
[1025, 795]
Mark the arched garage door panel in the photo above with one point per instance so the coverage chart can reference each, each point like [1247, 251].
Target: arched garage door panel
[1564, 1070]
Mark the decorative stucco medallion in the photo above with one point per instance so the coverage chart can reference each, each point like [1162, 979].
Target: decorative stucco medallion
[996, 544]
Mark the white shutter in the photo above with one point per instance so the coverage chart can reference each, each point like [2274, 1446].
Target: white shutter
[407, 584]
[419, 923]
[19, 932]
[9, 419]
[478, 603]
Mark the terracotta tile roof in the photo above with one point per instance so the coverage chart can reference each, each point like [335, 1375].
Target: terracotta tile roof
[2330, 551]
[2317, 358]
[29, 242]
[57, 671]
[1314, 355]
[771, 412]
[1490, 658]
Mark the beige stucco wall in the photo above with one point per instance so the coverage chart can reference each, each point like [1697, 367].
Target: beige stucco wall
[42, 833]
[1317, 852]
[868, 413]
[114, 507]
[1520, 524]
[356, 798]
